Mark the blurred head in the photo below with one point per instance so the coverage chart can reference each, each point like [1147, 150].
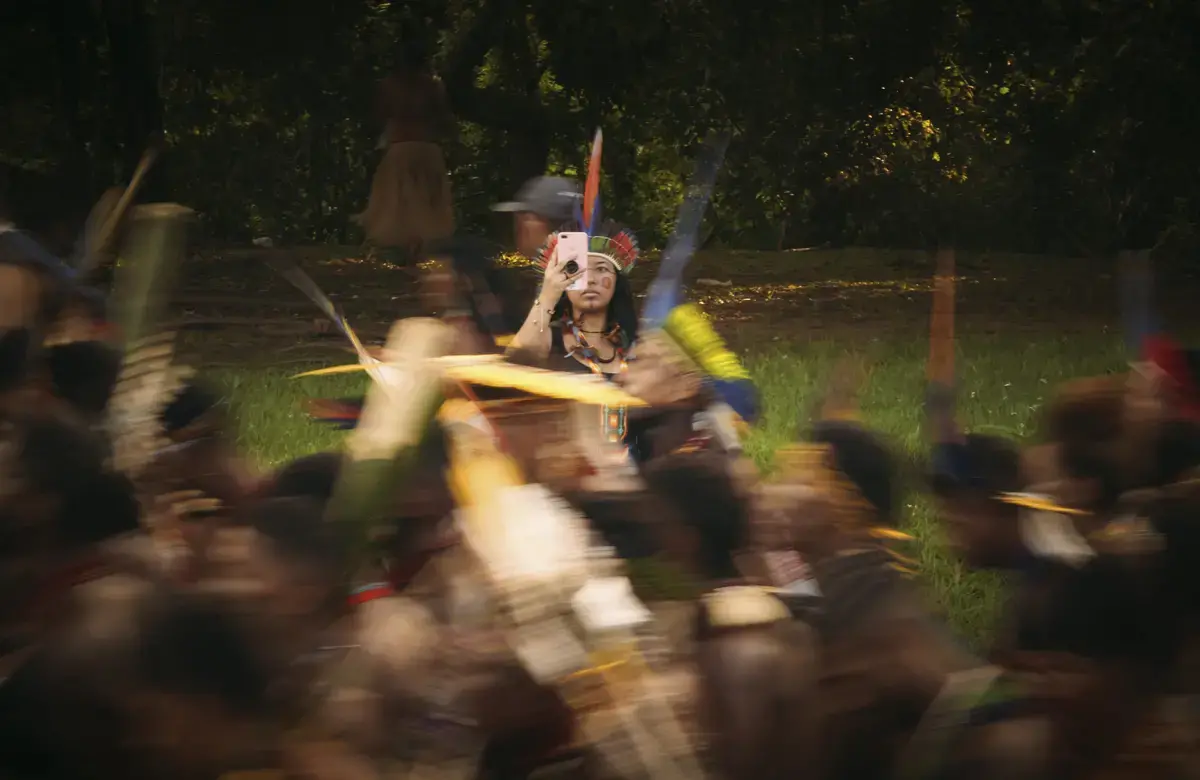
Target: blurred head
[312, 476]
[300, 557]
[203, 688]
[866, 460]
[982, 530]
[703, 493]
[541, 204]
[530, 231]
[84, 373]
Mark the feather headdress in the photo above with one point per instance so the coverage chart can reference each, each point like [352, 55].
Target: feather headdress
[588, 210]
[611, 241]
[615, 243]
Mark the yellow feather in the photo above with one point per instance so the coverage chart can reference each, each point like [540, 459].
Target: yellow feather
[457, 410]
[904, 559]
[354, 367]
[493, 371]
[475, 477]
[332, 370]
[1041, 503]
[585, 388]
[880, 532]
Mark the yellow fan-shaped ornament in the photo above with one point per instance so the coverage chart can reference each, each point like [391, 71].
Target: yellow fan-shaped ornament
[493, 371]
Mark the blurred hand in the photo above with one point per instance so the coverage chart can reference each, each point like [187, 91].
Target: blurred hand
[660, 374]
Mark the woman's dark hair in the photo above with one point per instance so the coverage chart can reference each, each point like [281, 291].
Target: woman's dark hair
[621, 311]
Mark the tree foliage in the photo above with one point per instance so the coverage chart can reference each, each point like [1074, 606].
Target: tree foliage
[1060, 126]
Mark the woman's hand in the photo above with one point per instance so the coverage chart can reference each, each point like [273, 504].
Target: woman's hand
[534, 335]
[555, 281]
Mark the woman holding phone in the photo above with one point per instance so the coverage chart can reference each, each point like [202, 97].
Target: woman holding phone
[583, 318]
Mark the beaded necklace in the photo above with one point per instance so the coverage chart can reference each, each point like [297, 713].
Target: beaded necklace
[614, 416]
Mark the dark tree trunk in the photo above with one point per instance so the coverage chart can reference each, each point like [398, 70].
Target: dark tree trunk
[74, 29]
[528, 128]
[135, 73]
[518, 112]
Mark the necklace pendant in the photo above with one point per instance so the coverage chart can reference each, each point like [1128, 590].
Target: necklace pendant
[614, 423]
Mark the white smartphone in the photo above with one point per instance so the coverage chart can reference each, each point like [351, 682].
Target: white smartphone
[573, 248]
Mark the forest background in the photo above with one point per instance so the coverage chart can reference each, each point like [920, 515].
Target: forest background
[1063, 127]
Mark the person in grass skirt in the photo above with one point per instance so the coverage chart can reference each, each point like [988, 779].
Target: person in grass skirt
[411, 203]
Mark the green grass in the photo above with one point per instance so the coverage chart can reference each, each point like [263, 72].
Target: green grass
[1003, 382]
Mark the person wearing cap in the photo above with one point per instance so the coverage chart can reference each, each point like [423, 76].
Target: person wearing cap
[540, 207]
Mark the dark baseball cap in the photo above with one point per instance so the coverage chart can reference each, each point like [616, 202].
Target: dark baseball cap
[552, 197]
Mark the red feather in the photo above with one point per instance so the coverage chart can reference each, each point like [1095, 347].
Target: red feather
[543, 259]
[331, 411]
[626, 248]
[591, 187]
[1171, 359]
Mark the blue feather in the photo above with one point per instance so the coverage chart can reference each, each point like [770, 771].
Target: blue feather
[666, 292]
[740, 395]
[1137, 305]
[594, 222]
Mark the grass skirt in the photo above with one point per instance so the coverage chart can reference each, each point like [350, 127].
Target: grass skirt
[410, 201]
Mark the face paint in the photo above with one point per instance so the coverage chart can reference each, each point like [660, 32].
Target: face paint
[606, 282]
